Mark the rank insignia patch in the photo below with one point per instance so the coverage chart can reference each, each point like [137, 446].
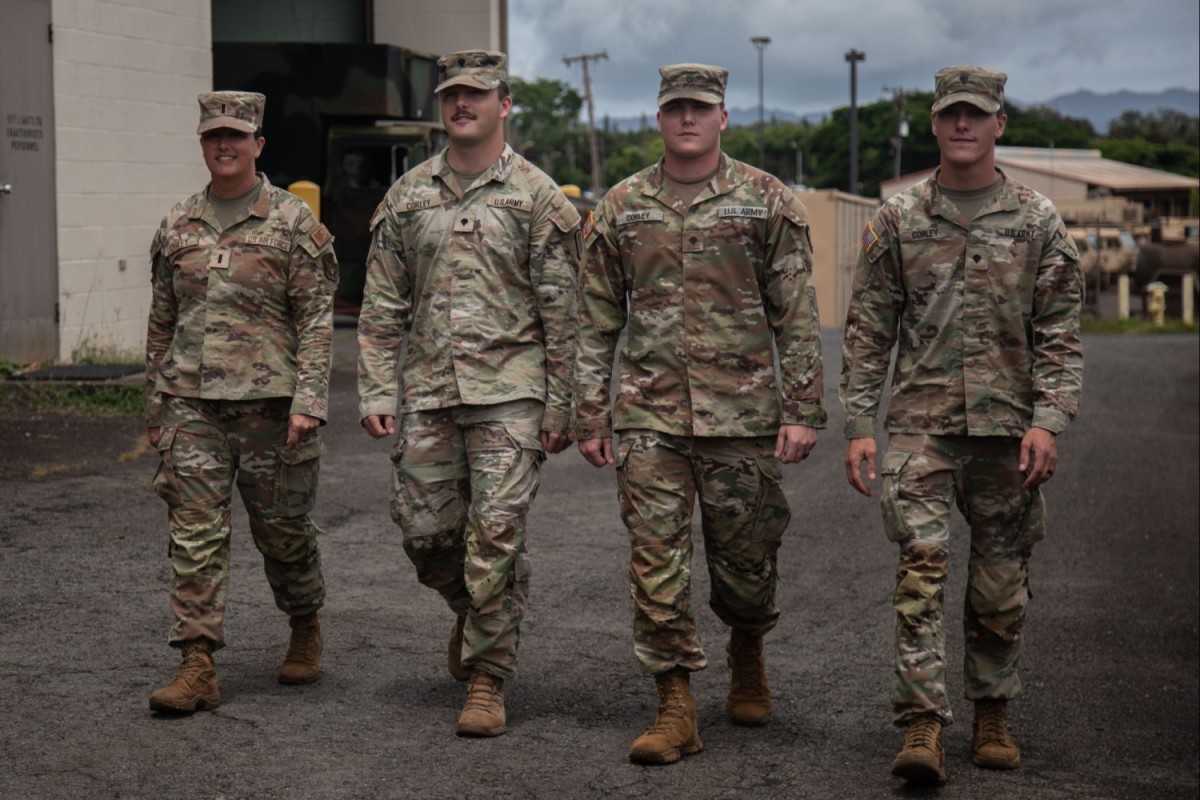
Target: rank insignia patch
[321, 236]
[869, 238]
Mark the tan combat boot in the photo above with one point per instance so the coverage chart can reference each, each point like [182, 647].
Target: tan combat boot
[922, 759]
[674, 733]
[454, 652]
[483, 713]
[302, 664]
[749, 700]
[195, 687]
[991, 741]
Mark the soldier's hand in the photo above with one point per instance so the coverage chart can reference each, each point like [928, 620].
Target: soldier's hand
[858, 451]
[554, 442]
[1039, 457]
[154, 434]
[379, 425]
[301, 426]
[794, 443]
[598, 452]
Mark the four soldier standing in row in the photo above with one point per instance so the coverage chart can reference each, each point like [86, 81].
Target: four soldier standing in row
[508, 311]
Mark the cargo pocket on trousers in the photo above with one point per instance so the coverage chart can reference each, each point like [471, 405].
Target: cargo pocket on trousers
[772, 515]
[629, 513]
[426, 498]
[166, 485]
[296, 482]
[1033, 521]
[895, 523]
[399, 505]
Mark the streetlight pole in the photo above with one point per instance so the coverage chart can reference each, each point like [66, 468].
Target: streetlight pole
[901, 124]
[760, 43]
[854, 56]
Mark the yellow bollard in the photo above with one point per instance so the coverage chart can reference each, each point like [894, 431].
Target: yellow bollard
[1156, 306]
[1189, 298]
[310, 193]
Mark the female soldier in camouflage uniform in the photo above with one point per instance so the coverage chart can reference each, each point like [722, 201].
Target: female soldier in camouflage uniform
[238, 355]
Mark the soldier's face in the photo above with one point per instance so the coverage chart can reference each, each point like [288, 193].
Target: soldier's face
[229, 155]
[967, 134]
[473, 115]
[690, 128]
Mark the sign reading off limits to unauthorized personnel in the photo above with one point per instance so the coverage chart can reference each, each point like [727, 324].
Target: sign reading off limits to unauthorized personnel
[23, 131]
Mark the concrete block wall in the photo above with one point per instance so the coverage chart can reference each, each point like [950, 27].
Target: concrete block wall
[443, 26]
[126, 76]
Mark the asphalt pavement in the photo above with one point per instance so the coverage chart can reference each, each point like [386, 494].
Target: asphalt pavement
[1112, 664]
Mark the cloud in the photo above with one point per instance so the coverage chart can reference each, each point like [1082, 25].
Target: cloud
[1047, 48]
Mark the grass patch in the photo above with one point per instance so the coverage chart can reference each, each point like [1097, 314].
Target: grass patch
[88, 353]
[124, 400]
[1134, 326]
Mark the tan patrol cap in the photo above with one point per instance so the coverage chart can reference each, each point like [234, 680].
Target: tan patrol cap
[981, 87]
[479, 69]
[701, 82]
[241, 111]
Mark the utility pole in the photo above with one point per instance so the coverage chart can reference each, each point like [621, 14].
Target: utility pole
[760, 43]
[854, 56]
[597, 172]
[901, 123]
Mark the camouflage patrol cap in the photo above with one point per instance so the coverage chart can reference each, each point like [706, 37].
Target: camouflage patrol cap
[981, 87]
[480, 69]
[242, 111]
[693, 81]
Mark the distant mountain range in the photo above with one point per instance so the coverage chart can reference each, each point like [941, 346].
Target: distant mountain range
[1099, 109]
[1102, 109]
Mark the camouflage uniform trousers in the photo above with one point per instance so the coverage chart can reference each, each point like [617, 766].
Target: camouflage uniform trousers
[205, 447]
[743, 513]
[464, 478]
[922, 477]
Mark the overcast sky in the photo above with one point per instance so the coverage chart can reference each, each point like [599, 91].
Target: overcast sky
[1047, 47]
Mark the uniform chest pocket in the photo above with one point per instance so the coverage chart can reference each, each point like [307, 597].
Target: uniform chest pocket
[637, 230]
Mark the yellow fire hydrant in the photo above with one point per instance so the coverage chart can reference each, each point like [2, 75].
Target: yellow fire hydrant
[1156, 304]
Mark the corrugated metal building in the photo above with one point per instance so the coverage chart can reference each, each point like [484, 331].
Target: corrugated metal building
[836, 221]
[1074, 175]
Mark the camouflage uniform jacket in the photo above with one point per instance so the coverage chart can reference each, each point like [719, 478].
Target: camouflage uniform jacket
[243, 314]
[483, 284]
[704, 290]
[986, 312]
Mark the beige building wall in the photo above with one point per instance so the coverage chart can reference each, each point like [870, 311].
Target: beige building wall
[836, 222]
[442, 26]
[126, 76]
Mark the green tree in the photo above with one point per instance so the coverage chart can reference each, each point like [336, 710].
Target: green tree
[1042, 126]
[1165, 126]
[632, 157]
[544, 127]
[1167, 139]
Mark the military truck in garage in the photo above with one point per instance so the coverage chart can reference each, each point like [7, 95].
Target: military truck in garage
[350, 118]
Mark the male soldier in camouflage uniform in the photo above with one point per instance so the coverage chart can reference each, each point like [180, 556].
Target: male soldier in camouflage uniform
[709, 262]
[975, 277]
[474, 258]
[237, 375]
